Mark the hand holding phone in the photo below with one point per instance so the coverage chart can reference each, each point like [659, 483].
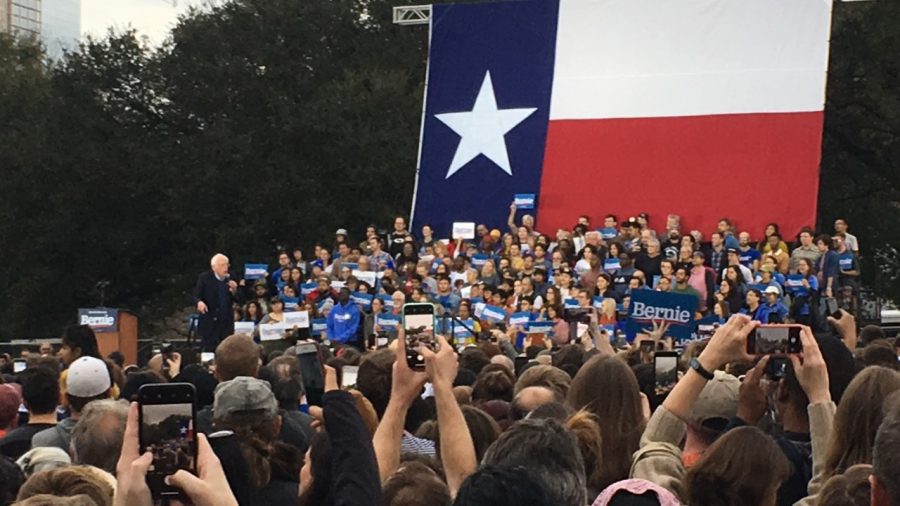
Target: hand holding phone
[167, 415]
[418, 326]
[211, 487]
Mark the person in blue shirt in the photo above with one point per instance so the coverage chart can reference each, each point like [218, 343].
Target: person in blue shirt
[847, 262]
[775, 310]
[445, 296]
[828, 268]
[801, 287]
[749, 257]
[343, 320]
[754, 307]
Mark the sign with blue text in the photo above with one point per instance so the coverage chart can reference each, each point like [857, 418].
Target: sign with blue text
[524, 200]
[675, 309]
[255, 271]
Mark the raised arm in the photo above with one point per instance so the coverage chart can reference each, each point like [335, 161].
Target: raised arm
[457, 448]
[405, 386]
[511, 220]
[353, 465]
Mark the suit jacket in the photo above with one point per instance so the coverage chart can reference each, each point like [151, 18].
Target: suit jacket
[208, 289]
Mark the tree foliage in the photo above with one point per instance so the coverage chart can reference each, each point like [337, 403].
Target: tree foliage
[269, 122]
[860, 179]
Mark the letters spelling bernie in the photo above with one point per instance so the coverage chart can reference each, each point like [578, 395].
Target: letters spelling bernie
[642, 310]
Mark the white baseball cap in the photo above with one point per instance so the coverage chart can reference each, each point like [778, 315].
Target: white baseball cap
[772, 289]
[88, 377]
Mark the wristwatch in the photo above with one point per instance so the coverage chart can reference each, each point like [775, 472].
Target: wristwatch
[697, 366]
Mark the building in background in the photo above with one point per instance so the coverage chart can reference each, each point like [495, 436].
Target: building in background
[23, 17]
[57, 23]
[60, 25]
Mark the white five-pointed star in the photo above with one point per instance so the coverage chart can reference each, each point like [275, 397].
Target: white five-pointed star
[482, 129]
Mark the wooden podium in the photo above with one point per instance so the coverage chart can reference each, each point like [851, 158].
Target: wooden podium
[124, 338]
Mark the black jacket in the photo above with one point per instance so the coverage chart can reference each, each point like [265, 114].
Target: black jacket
[216, 296]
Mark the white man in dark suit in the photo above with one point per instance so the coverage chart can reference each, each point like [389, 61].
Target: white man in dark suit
[213, 295]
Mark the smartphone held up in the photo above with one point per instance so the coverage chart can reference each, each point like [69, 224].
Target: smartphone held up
[418, 325]
[167, 430]
[778, 340]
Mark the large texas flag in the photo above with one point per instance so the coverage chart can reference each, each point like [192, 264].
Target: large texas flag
[702, 108]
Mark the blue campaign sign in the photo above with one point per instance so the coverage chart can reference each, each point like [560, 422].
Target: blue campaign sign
[386, 299]
[524, 200]
[597, 301]
[361, 298]
[388, 321]
[675, 309]
[794, 280]
[479, 259]
[100, 320]
[493, 313]
[307, 288]
[255, 271]
[608, 233]
[460, 331]
[705, 327]
[319, 325]
[477, 300]
[542, 327]
[290, 303]
[570, 304]
[612, 264]
[520, 318]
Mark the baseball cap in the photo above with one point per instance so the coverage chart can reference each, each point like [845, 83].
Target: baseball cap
[717, 402]
[43, 458]
[243, 393]
[88, 377]
[772, 289]
[733, 250]
[341, 231]
[10, 399]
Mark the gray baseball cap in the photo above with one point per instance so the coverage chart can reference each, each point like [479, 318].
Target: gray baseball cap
[243, 393]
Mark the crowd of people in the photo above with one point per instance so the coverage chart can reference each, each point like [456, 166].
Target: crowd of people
[330, 412]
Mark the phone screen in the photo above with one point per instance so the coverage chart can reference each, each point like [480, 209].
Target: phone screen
[348, 376]
[775, 340]
[19, 366]
[665, 368]
[167, 416]
[207, 357]
[418, 324]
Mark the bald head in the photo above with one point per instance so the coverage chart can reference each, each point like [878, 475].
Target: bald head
[531, 398]
[219, 264]
[505, 362]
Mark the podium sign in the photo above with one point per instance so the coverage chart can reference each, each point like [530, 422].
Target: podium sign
[100, 320]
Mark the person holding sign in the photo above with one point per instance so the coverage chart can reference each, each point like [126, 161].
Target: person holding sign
[214, 295]
[801, 287]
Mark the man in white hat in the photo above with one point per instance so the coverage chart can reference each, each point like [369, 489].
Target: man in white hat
[776, 310]
[88, 380]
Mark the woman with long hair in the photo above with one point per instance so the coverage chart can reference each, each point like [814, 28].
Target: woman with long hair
[802, 290]
[857, 418]
[729, 295]
[745, 467]
[606, 385]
